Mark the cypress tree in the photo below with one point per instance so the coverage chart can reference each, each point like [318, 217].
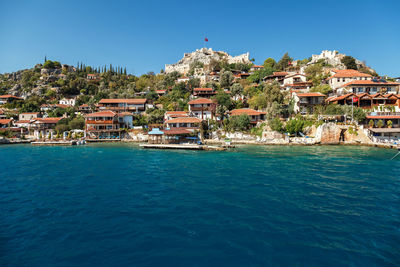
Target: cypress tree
[125, 71]
[45, 58]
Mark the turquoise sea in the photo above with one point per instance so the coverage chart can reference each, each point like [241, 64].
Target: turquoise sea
[119, 205]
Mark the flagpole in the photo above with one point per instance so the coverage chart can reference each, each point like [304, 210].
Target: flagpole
[352, 111]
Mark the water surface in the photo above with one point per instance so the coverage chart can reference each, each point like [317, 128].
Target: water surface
[119, 205]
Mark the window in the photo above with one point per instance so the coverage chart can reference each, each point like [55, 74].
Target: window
[344, 79]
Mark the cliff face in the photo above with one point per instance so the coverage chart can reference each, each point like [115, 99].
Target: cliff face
[205, 56]
[328, 134]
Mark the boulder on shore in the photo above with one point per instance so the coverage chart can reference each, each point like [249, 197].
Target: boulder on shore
[328, 134]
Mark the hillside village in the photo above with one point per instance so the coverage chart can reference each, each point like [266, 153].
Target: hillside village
[207, 96]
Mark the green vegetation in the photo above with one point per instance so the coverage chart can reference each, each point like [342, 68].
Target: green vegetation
[349, 62]
[258, 130]
[276, 125]
[51, 64]
[322, 88]
[371, 123]
[237, 123]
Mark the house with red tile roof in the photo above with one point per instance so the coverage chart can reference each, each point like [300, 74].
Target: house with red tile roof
[161, 92]
[29, 116]
[255, 116]
[84, 109]
[103, 125]
[119, 105]
[43, 126]
[5, 123]
[203, 92]
[183, 123]
[8, 99]
[341, 77]
[202, 108]
[371, 86]
[294, 78]
[299, 86]
[256, 67]
[278, 76]
[47, 107]
[93, 77]
[378, 102]
[169, 115]
[304, 103]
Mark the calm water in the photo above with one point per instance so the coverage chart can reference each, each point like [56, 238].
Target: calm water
[119, 205]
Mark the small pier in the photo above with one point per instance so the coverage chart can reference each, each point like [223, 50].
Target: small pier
[182, 146]
[58, 143]
[52, 143]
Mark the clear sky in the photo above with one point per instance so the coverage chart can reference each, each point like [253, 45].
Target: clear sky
[145, 35]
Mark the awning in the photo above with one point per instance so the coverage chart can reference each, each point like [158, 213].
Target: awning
[156, 131]
[385, 130]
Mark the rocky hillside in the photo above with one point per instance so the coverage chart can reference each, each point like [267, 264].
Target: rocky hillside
[334, 59]
[203, 58]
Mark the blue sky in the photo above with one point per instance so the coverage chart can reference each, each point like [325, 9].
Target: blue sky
[145, 35]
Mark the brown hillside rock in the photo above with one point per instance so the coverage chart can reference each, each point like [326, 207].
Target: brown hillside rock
[328, 133]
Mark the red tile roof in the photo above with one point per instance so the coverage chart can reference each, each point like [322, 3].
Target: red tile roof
[33, 113]
[175, 112]
[369, 82]
[184, 120]
[176, 132]
[384, 117]
[138, 101]
[5, 121]
[101, 114]
[200, 101]
[10, 96]
[341, 97]
[309, 94]
[248, 111]
[23, 121]
[349, 74]
[280, 73]
[257, 66]
[123, 114]
[54, 106]
[53, 120]
[391, 95]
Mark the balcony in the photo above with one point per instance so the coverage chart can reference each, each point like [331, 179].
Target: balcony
[200, 109]
[99, 122]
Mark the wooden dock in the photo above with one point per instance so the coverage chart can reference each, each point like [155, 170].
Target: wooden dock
[54, 143]
[182, 146]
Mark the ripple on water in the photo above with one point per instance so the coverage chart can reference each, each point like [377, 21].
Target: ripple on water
[115, 204]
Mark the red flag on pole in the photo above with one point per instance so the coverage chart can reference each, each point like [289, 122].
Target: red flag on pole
[355, 99]
[205, 39]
